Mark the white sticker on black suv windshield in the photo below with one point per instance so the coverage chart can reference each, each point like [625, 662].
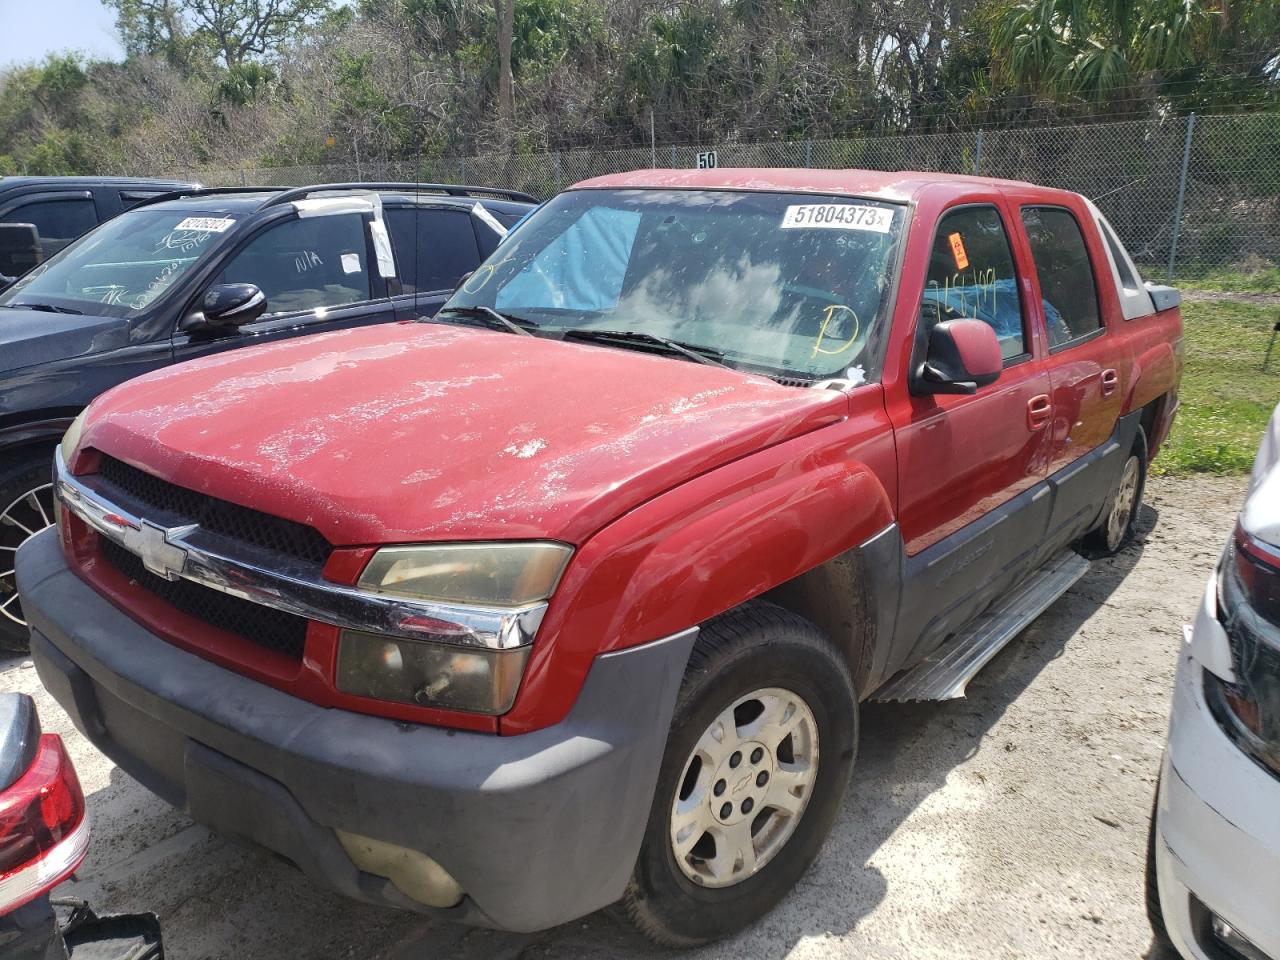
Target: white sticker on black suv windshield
[206, 224]
[837, 216]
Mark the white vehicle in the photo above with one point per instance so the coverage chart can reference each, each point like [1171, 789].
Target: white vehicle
[1213, 878]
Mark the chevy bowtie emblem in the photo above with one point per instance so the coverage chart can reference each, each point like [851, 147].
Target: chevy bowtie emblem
[158, 547]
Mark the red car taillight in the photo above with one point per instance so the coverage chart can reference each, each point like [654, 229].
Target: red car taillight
[44, 832]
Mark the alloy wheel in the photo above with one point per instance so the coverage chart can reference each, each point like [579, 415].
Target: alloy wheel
[1123, 505]
[23, 518]
[744, 787]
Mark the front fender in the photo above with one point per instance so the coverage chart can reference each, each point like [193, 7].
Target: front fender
[710, 545]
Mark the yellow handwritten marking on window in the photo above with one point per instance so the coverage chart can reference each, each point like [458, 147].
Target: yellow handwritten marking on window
[484, 273]
[826, 322]
[957, 251]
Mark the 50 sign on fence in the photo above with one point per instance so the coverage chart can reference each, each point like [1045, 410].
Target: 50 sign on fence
[708, 160]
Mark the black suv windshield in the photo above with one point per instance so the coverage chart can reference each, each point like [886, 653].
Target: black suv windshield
[123, 266]
[790, 285]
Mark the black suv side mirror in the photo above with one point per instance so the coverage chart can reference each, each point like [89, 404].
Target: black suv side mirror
[963, 355]
[19, 248]
[229, 305]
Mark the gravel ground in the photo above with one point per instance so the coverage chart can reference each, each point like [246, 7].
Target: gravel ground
[1012, 823]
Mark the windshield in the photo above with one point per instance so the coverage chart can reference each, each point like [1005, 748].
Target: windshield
[123, 266]
[788, 285]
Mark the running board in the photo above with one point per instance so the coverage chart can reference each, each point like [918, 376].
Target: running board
[945, 673]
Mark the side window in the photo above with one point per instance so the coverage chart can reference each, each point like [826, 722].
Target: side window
[446, 248]
[971, 275]
[58, 221]
[306, 264]
[1067, 284]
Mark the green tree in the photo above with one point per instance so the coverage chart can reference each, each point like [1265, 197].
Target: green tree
[233, 31]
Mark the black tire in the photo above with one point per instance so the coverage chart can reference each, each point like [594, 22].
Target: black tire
[1103, 540]
[1155, 913]
[756, 646]
[29, 470]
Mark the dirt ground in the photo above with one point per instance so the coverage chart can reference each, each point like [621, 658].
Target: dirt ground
[1012, 823]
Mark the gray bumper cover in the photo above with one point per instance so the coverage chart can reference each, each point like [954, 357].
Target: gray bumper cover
[538, 829]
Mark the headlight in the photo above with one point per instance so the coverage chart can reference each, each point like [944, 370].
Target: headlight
[507, 574]
[71, 439]
[1248, 710]
[491, 598]
[474, 679]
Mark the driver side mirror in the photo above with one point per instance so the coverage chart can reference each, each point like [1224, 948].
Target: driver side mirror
[228, 305]
[19, 249]
[963, 355]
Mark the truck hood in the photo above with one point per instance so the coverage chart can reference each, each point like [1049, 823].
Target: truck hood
[29, 337]
[416, 432]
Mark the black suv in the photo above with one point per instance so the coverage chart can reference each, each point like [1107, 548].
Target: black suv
[41, 215]
[197, 272]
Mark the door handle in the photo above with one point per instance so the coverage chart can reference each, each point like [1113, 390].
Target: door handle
[1110, 380]
[1039, 410]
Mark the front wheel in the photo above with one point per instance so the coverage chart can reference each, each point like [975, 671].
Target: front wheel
[26, 508]
[757, 762]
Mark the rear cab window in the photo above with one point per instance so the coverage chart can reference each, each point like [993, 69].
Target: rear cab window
[1068, 287]
[972, 276]
[434, 247]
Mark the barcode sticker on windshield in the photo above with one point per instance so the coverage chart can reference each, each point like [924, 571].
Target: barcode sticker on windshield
[837, 216]
[206, 224]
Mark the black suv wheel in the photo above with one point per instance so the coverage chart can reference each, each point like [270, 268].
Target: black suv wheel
[26, 508]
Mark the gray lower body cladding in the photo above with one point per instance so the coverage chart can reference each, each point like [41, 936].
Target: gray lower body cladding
[537, 829]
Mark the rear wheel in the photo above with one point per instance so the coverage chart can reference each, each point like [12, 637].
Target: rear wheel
[26, 508]
[1116, 528]
[757, 763]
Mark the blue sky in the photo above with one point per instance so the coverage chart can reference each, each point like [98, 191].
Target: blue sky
[29, 29]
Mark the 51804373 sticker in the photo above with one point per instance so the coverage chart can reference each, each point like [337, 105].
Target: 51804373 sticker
[837, 216]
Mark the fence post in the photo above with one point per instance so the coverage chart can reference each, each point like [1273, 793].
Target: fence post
[673, 156]
[557, 158]
[1182, 194]
[653, 142]
[977, 155]
[808, 153]
[462, 169]
[244, 176]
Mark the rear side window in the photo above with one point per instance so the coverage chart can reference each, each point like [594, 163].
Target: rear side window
[433, 247]
[971, 275]
[1067, 284]
[58, 221]
[306, 264]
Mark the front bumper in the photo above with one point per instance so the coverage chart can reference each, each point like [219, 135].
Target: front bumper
[537, 829]
[1217, 833]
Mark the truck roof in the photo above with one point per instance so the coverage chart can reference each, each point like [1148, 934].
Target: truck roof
[889, 185]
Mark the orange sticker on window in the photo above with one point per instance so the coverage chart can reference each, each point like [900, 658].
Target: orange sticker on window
[957, 251]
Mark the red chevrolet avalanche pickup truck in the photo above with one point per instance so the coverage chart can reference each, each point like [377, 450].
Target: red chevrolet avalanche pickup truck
[571, 594]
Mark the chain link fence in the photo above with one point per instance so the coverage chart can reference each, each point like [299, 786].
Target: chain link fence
[1191, 196]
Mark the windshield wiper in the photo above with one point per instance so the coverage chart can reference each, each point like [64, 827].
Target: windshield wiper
[494, 318]
[690, 351]
[46, 308]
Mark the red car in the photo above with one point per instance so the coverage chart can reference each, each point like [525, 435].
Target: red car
[570, 595]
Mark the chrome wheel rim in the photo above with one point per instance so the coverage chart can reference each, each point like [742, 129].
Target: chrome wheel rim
[20, 520]
[1123, 506]
[744, 787]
